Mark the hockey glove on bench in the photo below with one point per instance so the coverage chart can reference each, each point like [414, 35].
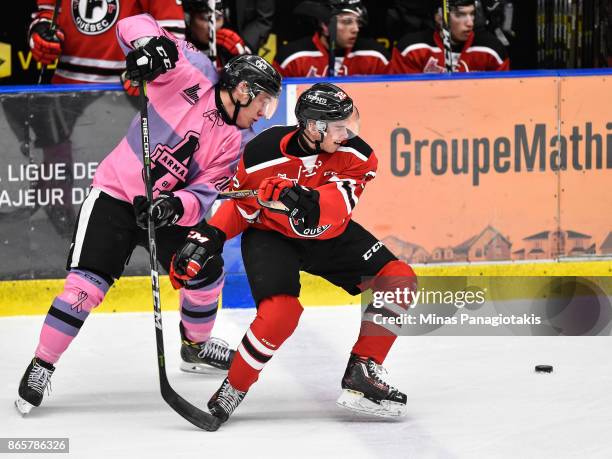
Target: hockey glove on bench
[45, 44]
[156, 57]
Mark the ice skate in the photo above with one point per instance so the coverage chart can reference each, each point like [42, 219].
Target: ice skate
[365, 392]
[209, 357]
[223, 403]
[35, 380]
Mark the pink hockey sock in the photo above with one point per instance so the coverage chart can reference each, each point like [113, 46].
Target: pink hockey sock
[83, 291]
[199, 310]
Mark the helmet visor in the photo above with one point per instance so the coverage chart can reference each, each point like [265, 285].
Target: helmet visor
[344, 129]
[265, 104]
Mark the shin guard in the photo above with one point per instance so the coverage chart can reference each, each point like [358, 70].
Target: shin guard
[277, 318]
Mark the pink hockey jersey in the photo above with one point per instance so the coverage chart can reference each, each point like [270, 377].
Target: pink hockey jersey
[194, 151]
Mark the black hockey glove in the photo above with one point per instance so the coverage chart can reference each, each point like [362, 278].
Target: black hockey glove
[156, 57]
[166, 210]
[203, 243]
[303, 203]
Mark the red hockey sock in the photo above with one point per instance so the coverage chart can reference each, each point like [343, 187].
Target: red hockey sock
[375, 341]
[276, 319]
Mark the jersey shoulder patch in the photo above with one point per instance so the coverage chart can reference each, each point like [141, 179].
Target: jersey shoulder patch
[357, 147]
[265, 146]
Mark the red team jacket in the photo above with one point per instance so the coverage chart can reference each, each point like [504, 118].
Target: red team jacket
[90, 51]
[423, 52]
[308, 57]
[339, 177]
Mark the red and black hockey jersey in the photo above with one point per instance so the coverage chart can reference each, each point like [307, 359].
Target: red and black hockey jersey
[339, 177]
[90, 51]
[308, 57]
[423, 52]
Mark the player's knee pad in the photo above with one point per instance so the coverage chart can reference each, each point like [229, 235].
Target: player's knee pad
[397, 268]
[396, 275]
[277, 318]
[84, 290]
[209, 275]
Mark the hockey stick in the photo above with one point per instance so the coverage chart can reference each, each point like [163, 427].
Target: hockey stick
[241, 194]
[446, 37]
[212, 31]
[333, 28]
[194, 415]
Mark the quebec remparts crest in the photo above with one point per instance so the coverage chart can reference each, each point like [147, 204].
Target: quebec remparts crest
[93, 17]
[298, 228]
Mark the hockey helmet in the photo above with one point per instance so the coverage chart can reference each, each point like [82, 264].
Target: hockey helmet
[348, 6]
[452, 4]
[330, 108]
[257, 73]
[193, 6]
[323, 10]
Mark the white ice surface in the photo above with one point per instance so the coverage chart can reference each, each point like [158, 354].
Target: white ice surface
[468, 397]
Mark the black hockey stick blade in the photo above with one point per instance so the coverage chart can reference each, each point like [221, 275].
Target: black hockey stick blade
[197, 417]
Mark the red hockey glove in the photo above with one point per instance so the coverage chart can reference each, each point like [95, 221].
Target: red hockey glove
[46, 45]
[130, 87]
[270, 188]
[301, 202]
[231, 42]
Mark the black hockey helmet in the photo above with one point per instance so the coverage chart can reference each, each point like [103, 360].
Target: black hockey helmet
[201, 6]
[323, 102]
[348, 6]
[196, 6]
[323, 10]
[255, 71]
[452, 4]
[259, 76]
[330, 108]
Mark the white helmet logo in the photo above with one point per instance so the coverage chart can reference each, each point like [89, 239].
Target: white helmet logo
[341, 95]
[261, 64]
[317, 99]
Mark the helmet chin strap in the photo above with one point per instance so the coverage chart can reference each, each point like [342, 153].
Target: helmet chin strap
[238, 105]
[317, 143]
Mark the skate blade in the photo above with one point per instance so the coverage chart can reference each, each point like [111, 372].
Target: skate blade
[23, 407]
[201, 368]
[355, 401]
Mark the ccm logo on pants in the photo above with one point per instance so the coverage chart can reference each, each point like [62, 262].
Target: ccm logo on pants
[372, 250]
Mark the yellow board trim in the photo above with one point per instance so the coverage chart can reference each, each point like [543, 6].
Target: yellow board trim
[133, 294]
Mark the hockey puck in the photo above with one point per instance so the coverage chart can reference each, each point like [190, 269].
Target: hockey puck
[543, 368]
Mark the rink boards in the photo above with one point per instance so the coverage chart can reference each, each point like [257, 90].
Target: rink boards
[483, 174]
[133, 293]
